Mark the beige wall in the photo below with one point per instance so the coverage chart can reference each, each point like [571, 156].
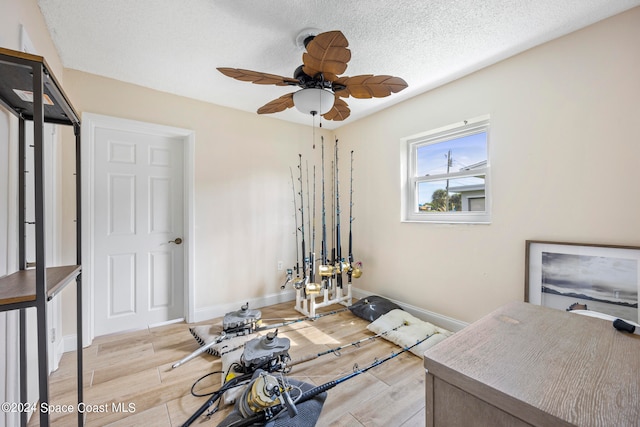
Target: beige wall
[565, 156]
[243, 196]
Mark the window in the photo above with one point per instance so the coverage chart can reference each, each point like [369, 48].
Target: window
[446, 174]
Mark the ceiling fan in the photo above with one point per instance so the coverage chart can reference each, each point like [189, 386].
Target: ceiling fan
[322, 88]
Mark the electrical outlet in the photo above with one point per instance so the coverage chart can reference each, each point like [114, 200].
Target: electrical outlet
[280, 265]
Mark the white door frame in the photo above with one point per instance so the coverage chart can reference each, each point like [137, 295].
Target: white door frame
[90, 122]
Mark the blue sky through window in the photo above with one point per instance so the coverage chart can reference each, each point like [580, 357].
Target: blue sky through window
[432, 160]
[465, 151]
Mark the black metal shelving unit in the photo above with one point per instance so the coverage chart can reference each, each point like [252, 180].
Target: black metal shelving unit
[31, 92]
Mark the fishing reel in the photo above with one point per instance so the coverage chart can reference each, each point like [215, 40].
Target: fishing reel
[289, 278]
[313, 288]
[355, 269]
[326, 270]
[270, 353]
[241, 322]
[331, 270]
[264, 393]
[342, 267]
[297, 283]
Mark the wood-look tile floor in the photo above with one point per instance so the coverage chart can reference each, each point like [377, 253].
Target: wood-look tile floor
[133, 370]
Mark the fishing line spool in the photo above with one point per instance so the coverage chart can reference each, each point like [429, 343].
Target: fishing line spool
[265, 392]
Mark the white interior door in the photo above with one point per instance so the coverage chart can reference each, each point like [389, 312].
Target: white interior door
[138, 255]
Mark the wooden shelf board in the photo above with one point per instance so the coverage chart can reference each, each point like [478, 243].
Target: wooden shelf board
[21, 285]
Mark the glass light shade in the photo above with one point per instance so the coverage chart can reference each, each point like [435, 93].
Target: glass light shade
[313, 101]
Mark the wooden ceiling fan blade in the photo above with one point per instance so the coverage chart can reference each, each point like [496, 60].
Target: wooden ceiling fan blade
[257, 77]
[369, 86]
[339, 112]
[327, 53]
[277, 105]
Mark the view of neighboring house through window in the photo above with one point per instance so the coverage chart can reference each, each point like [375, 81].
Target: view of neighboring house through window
[448, 174]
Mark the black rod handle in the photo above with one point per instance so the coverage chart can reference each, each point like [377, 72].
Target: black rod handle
[621, 325]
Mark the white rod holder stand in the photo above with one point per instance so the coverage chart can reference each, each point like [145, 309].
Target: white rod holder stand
[308, 305]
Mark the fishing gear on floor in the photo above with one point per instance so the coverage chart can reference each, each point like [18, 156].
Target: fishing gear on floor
[201, 350]
[302, 319]
[235, 323]
[206, 346]
[243, 321]
[336, 350]
[269, 353]
[274, 411]
[264, 392]
[233, 382]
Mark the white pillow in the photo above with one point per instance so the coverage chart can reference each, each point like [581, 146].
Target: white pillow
[409, 331]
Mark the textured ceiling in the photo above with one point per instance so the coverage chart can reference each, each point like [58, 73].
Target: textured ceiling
[175, 46]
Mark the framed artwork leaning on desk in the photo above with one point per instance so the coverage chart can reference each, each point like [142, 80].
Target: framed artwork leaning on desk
[605, 278]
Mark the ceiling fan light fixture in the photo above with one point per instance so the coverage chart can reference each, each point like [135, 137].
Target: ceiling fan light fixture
[313, 101]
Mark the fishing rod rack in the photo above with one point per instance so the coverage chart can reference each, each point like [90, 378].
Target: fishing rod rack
[307, 305]
[329, 268]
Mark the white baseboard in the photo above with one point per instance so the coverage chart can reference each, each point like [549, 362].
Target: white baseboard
[220, 310]
[448, 323]
[70, 343]
[58, 351]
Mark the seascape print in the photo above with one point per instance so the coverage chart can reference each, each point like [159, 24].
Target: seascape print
[604, 284]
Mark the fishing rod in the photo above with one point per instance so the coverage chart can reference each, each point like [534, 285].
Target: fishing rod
[308, 204]
[314, 356]
[338, 254]
[233, 382]
[337, 350]
[325, 270]
[332, 259]
[304, 270]
[313, 238]
[226, 336]
[350, 256]
[302, 319]
[295, 216]
[274, 411]
[352, 271]
[311, 258]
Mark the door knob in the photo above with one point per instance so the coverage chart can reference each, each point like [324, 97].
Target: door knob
[177, 241]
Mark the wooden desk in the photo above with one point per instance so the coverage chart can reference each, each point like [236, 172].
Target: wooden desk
[529, 365]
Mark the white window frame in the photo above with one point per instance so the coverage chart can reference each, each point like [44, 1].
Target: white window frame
[409, 190]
